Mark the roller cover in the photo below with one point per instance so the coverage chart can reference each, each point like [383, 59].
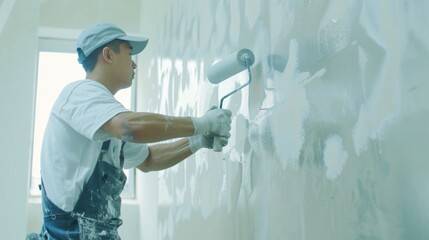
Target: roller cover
[230, 66]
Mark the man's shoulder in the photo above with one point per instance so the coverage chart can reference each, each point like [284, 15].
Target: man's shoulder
[85, 88]
[84, 83]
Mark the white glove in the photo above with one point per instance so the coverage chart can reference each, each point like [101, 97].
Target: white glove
[214, 122]
[205, 141]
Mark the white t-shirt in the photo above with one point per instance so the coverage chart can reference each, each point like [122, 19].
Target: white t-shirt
[73, 140]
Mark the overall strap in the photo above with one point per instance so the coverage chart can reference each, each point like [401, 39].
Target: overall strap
[121, 154]
[104, 149]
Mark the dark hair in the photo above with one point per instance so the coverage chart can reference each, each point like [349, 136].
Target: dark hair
[89, 63]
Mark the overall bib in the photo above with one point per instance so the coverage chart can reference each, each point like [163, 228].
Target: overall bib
[96, 214]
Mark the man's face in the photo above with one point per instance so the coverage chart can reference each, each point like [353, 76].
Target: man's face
[124, 66]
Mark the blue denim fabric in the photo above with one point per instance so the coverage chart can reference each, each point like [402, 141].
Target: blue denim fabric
[99, 207]
[96, 214]
[58, 224]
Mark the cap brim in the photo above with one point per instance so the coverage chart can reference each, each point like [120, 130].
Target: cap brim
[137, 43]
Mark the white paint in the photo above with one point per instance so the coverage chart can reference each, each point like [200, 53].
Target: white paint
[317, 75]
[235, 24]
[221, 24]
[318, 111]
[259, 134]
[234, 151]
[291, 110]
[382, 106]
[337, 25]
[231, 185]
[252, 12]
[334, 156]
[281, 20]
[189, 90]
[206, 23]
[165, 68]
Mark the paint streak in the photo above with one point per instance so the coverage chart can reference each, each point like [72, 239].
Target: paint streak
[382, 106]
[334, 156]
[291, 110]
[318, 141]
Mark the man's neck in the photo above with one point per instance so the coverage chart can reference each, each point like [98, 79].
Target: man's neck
[102, 78]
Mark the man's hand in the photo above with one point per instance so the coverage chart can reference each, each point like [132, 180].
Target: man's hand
[214, 122]
[206, 141]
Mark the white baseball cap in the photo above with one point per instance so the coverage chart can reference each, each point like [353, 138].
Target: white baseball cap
[100, 34]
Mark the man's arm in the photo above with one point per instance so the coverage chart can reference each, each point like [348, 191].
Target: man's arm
[143, 127]
[148, 127]
[162, 156]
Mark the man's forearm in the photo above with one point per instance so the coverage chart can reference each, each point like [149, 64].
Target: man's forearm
[162, 156]
[149, 127]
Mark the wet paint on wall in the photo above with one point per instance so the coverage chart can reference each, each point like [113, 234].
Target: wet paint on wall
[331, 139]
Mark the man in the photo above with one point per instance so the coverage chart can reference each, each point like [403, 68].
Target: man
[90, 137]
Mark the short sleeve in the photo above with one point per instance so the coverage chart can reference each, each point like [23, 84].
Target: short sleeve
[135, 154]
[85, 106]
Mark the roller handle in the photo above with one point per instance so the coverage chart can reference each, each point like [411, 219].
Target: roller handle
[217, 147]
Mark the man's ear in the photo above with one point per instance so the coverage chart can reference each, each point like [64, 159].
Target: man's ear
[106, 54]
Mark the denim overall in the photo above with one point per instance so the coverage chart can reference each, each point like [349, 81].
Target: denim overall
[97, 211]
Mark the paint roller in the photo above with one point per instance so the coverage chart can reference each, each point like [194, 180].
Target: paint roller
[226, 68]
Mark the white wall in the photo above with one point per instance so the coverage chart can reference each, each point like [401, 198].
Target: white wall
[80, 13]
[17, 66]
[334, 146]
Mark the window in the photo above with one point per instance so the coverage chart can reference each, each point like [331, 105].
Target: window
[58, 66]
